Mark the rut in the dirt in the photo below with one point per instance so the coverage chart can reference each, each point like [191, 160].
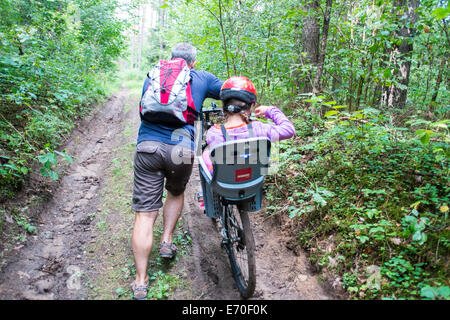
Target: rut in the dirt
[51, 264]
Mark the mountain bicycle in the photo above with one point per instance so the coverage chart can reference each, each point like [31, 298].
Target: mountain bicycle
[233, 189]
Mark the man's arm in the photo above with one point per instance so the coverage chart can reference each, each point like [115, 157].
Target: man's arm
[214, 85]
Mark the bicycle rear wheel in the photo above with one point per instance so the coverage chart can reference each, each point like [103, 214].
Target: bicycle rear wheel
[240, 247]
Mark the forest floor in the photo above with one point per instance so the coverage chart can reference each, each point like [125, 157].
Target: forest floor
[82, 246]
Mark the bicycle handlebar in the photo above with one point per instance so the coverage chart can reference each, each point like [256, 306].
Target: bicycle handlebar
[214, 109]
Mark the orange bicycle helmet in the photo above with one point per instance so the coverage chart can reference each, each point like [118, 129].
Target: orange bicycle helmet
[240, 88]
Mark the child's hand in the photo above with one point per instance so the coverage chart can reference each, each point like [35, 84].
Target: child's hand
[261, 111]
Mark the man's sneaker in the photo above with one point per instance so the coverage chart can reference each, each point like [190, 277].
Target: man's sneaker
[167, 250]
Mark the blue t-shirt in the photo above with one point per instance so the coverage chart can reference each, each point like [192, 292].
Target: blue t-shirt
[204, 85]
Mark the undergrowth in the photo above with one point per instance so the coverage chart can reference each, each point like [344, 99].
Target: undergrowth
[34, 130]
[371, 199]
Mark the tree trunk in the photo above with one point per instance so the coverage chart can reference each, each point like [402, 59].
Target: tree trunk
[360, 89]
[402, 53]
[310, 42]
[368, 80]
[321, 61]
[438, 81]
[362, 80]
[349, 101]
[376, 97]
[225, 47]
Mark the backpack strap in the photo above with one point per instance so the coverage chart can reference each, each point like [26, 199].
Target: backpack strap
[224, 132]
[250, 130]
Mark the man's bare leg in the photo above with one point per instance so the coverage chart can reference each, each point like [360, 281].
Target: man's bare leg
[142, 242]
[172, 211]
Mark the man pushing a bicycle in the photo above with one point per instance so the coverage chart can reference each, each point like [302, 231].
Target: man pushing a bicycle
[172, 98]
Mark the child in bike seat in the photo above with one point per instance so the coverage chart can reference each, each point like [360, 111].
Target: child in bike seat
[238, 95]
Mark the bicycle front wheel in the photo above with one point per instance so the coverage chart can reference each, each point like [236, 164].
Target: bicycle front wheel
[240, 248]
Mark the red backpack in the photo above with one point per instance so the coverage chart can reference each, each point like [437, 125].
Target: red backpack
[168, 98]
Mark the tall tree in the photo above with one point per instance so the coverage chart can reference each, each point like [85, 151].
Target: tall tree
[323, 47]
[310, 42]
[395, 95]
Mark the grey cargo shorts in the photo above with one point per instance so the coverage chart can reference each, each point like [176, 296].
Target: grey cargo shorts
[153, 163]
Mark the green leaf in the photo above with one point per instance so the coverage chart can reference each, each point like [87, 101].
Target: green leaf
[444, 291]
[428, 292]
[440, 124]
[339, 107]
[425, 139]
[65, 156]
[44, 172]
[376, 229]
[441, 13]
[42, 159]
[11, 166]
[417, 122]
[373, 48]
[30, 228]
[319, 199]
[363, 239]
[120, 291]
[53, 175]
[52, 159]
[417, 236]
[424, 135]
[387, 73]
[49, 157]
[330, 113]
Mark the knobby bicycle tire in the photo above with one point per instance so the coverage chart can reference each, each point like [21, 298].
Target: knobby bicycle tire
[241, 253]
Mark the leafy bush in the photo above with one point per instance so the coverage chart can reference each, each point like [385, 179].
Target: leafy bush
[379, 192]
[53, 59]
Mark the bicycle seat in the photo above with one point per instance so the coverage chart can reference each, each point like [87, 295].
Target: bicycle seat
[239, 167]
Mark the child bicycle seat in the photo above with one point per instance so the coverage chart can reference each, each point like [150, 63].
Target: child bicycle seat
[239, 168]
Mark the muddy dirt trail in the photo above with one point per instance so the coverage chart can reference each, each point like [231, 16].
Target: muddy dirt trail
[282, 274]
[51, 263]
[55, 263]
